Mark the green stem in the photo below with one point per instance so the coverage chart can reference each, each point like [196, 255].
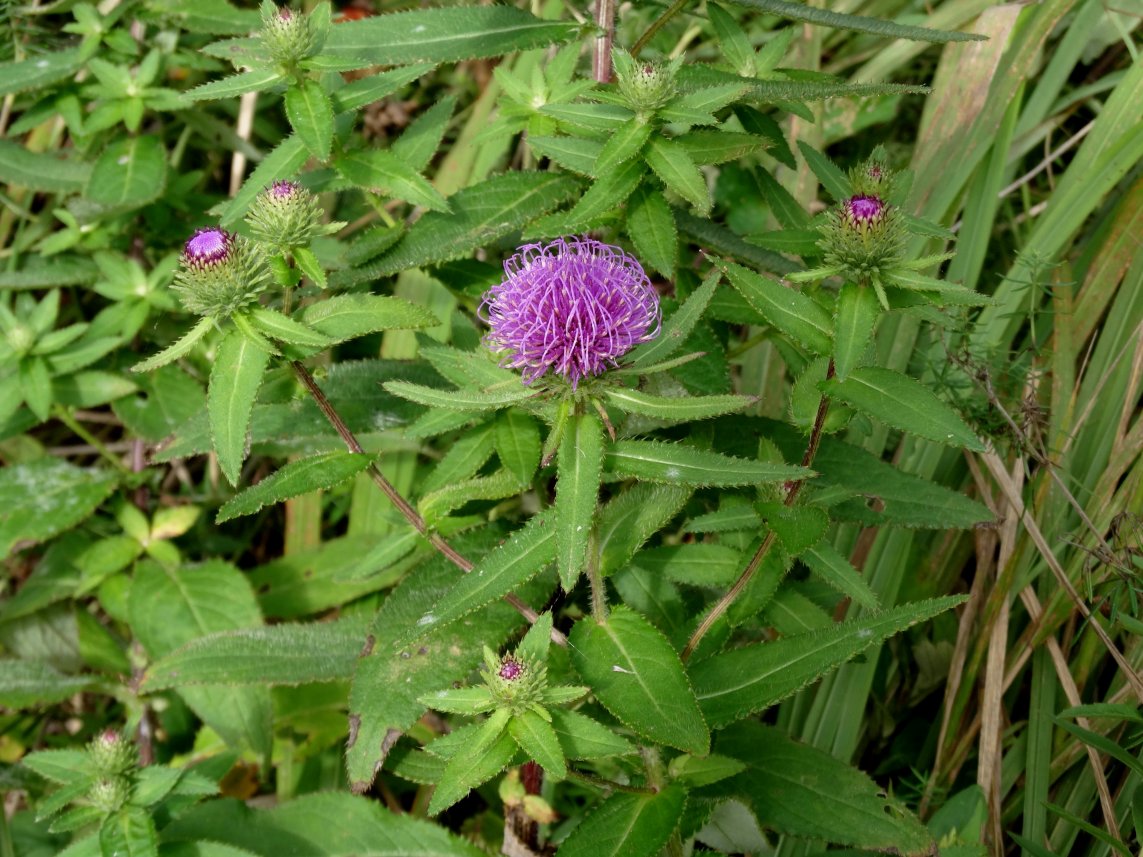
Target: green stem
[657, 25]
[64, 416]
[600, 782]
[792, 491]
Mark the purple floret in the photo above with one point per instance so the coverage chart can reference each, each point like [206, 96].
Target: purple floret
[864, 208]
[511, 670]
[207, 246]
[572, 306]
[283, 190]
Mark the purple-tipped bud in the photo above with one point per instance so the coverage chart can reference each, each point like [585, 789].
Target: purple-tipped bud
[207, 247]
[864, 209]
[284, 190]
[510, 670]
[573, 307]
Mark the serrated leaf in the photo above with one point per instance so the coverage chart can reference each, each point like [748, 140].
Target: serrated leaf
[622, 146]
[419, 142]
[627, 825]
[41, 171]
[829, 174]
[577, 493]
[524, 555]
[593, 117]
[234, 381]
[461, 700]
[311, 116]
[783, 777]
[791, 312]
[463, 459]
[677, 464]
[609, 191]
[443, 35]
[282, 328]
[24, 684]
[287, 158]
[735, 684]
[577, 154]
[857, 312]
[718, 239]
[584, 738]
[275, 655]
[671, 163]
[181, 348]
[797, 527]
[324, 470]
[636, 674]
[496, 486]
[383, 172]
[460, 400]
[632, 517]
[372, 88]
[651, 225]
[486, 754]
[699, 564]
[857, 23]
[834, 569]
[517, 440]
[346, 317]
[46, 496]
[481, 214]
[129, 173]
[676, 408]
[678, 327]
[37, 71]
[537, 738]
[257, 80]
[129, 833]
[905, 403]
[732, 38]
[717, 147]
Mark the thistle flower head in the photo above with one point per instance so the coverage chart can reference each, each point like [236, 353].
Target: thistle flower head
[645, 86]
[864, 238]
[863, 209]
[515, 683]
[288, 37]
[510, 669]
[111, 754]
[285, 215]
[572, 307]
[220, 273]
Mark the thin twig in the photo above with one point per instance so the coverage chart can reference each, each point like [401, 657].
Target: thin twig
[674, 9]
[601, 58]
[400, 503]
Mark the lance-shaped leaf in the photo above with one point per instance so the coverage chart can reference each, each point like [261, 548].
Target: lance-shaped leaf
[460, 400]
[524, 555]
[282, 328]
[791, 312]
[571, 153]
[636, 674]
[584, 738]
[834, 569]
[676, 409]
[627, 825]
[679, 326]
[27, 683]
[234, 381]
[905, 403]
[630, 518]
[482, 757]
[606, 193]
[857, 312]
[385, 173]
[287, 158]
[298, 477]
[623, 145]
[278, 654]
[858, 23]
[674, 166]
[577, 492]
[651, 225]
[348, 316]
[736, 684]
[373, 88]
[676, 464]
[311, 116]
[538, 739]
[828, 173]
[235, 85]
[517, 440]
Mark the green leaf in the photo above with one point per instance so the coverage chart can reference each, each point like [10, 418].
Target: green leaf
[735, 684]
[462, 460]
[435, 505]
[37, 71]
[487, 753]
[784, 777]
[718, 239]
[129, 833]
[857, 312]
[857, 23]
[577, 493]
[699, 564]
[419, 142]
[787, 210]
[284, 329]
[481, 214]
[651, 225]
[258, 80]
[674, 166]
[371, 89]
[703, 771]
[460, 400]
[170, 607]
[234, 381]
[679, 326]
[24, 684]
[834, 569]
[622, 146]
[41, 171]
[346, 317]
[524, 555]
[324, 470]
[572, 153]
[311, 116]
[287, 158]
[905, 403]
[461, 700]
[385, 173]
[632, 517]
[732, 38]
[627, 825]
[606, 193]
[676, 409]
[829, 174]
[636, 674]
[676, 464]
[790, 311]
[129, 173]
[46, 496]
[717, 147]
[594, 117]
[537, 738]
[517, 439]
[275, 655]
[443, 35]
[584, 738]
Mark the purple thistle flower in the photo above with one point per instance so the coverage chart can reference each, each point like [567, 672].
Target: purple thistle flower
[864, 209]
[510, 670]
[207, 247]
[283, 190]
[573, 306]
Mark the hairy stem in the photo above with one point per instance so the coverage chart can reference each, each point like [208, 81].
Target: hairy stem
[601, 58]
[400, 503]
[657, 25]
[792, 491]
[611, 785]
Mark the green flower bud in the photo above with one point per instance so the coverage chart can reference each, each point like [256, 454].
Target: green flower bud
[646, 86]
[111, 754]
[221, 273]
[288, 36]
[109, 794]
[285, 215]
[516, 683]
[864, 237]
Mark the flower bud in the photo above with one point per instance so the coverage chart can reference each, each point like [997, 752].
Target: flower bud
[109, 793]
[515, 683]
[111, 754]
[285, 215]
[864, 237]
[646, 86]
[220, 273]
[288, 36]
